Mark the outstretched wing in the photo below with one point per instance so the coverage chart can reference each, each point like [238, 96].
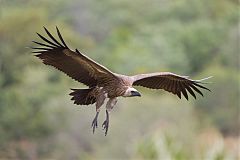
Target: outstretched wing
[170, 82]
[75, 64]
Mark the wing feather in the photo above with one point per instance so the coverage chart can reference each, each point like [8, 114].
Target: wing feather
[196, 89]
[174, 87]
[46, 40]
[60, 36]
[170, 82]
[183, 90]
[75, 64]
[49, 34]
[190, 90]
[45, 45]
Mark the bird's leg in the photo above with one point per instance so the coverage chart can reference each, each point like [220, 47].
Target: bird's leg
[100, 100]
[109, 106]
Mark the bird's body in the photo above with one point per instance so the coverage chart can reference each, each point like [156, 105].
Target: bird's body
[104, 84]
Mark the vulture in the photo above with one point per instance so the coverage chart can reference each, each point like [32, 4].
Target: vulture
[104, 84]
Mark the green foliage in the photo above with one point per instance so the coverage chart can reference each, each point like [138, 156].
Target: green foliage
[224, 110]
[25, 90]
[200, 38]
[147, 150]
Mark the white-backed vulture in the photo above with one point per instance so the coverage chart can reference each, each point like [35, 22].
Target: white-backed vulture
[102, 82]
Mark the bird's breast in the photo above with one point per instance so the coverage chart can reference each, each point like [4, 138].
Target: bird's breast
[115, 90]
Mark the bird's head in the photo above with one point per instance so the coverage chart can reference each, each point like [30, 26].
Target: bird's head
[131, 92]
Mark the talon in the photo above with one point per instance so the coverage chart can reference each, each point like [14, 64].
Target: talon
[94, 122]
[105, 124]
[94, 125]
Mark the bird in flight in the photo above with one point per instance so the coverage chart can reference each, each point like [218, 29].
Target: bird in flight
[104, 84]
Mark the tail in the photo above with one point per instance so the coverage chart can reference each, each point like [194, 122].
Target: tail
[82, 96]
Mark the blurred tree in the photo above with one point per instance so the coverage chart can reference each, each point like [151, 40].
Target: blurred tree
[183, 36]
[186, 36]
[221, 107]
[25, 90]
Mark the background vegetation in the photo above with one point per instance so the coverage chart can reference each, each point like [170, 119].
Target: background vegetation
[188, 37]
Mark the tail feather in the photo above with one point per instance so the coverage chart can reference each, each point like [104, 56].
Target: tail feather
[82, 96]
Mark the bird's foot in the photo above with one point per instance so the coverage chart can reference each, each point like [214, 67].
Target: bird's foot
[105, 124]
[94, 122]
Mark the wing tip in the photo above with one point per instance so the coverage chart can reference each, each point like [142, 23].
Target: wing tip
[51, 44]
[201, 80]
[61, 38]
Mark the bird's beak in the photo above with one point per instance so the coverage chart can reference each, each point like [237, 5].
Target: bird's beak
[135, 93]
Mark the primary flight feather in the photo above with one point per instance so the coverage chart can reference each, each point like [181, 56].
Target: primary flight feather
[102, 82]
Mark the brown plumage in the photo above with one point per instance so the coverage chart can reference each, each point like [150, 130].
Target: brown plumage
[102, 82]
